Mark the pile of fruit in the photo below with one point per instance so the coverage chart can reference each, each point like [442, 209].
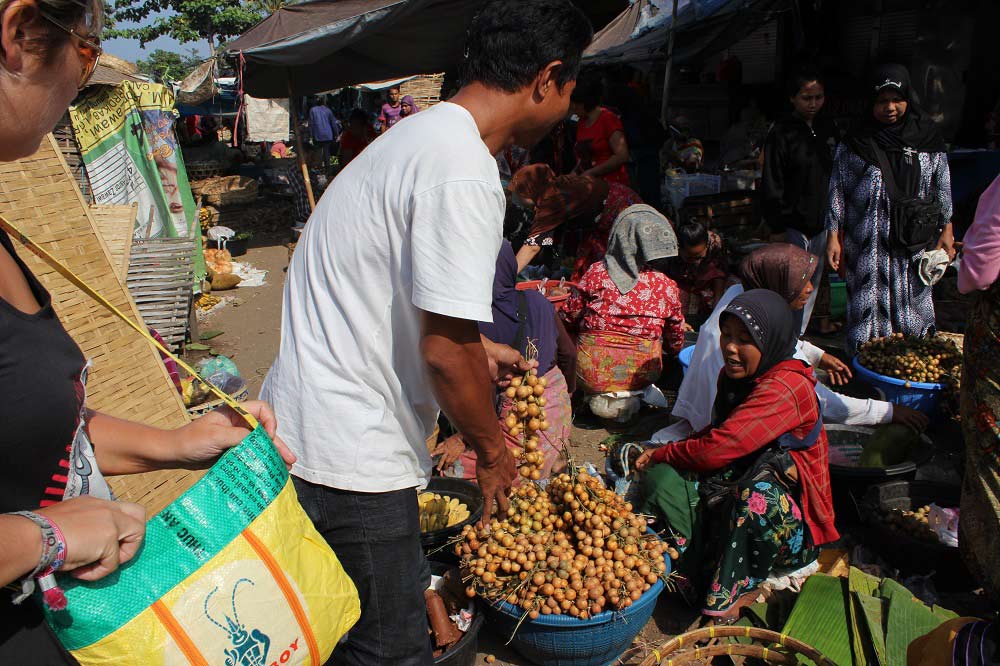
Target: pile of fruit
[206, 302]
[526, 420]
[912, 523]
[573, 548]
[440, 511]
[910, 358]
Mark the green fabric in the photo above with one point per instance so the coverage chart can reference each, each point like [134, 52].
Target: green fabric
[179, 540]
[672, 497]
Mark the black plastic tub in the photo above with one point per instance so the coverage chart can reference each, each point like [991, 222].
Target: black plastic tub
[237, 246]
[913, 556]
[464, 652]
[850, 482]
[464, 491]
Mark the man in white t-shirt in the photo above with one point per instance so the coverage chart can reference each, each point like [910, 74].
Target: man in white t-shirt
[379, 323]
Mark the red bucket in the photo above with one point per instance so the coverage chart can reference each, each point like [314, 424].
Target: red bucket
[563, 291]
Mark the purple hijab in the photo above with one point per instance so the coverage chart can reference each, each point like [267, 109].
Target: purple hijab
[540, 326]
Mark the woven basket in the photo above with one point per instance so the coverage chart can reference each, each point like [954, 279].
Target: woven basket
[229, 191]
[212, 405]
[783, 649]
[200, 170]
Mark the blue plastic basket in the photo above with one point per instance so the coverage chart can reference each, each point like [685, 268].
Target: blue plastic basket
[685, 358]
[562, 640]
[916, 395]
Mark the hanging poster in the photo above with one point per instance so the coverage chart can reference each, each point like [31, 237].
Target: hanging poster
[130, 151]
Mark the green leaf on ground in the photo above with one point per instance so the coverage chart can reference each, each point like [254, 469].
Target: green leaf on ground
[195, 346]
[820, 618]
[208, 335]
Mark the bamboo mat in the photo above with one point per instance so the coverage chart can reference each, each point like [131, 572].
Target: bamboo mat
[127, 378]
[116, 225]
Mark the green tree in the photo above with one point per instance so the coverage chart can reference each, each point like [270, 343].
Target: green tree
[213, 21]
[166, 65]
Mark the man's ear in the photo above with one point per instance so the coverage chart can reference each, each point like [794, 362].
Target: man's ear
[14, 23]
[547, 80]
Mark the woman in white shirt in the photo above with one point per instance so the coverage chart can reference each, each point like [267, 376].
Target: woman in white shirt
[787, 270]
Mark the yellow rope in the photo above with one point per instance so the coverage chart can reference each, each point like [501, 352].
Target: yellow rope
[656, 653]
[765, 654]
[711, 632]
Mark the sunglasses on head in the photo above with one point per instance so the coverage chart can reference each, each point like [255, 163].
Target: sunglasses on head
[88, 46]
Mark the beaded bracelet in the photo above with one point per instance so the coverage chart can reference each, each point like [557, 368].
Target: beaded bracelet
[52, 559]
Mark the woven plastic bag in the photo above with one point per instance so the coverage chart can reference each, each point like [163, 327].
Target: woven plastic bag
[231, 573]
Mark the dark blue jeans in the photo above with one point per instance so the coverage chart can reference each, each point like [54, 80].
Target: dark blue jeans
[376, 537]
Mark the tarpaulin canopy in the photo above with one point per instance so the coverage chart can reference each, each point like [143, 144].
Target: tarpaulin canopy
[639, 34]
[320, 45]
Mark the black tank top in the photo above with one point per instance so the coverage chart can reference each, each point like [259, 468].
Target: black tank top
[41, 397]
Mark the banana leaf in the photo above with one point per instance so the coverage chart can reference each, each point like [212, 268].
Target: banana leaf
[820, 619]
[863, 641]
[908, 619]
[943, 614]
[872, 611]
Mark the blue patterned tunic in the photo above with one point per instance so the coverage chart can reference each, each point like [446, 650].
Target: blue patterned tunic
[885, 294]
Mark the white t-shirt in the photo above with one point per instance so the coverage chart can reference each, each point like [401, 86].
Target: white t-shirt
[413, 223]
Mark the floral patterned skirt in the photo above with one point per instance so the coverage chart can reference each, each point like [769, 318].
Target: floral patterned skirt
[729, 553]
[978, 533]
[607, 362]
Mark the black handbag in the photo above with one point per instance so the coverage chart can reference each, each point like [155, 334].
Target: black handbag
[914, 223]
[773, 464]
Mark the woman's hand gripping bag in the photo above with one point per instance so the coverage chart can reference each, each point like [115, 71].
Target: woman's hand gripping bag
[231, 573]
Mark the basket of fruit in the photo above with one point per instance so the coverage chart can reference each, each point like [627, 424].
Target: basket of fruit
[897, 515]
[446, 506]
[910, 371]
[570, 574]
[558, 292]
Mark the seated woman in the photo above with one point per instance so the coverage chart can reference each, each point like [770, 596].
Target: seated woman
[592, 203]
[764, 502]
[524, 319]
[700, 270]
[787, 270]
[626, 308]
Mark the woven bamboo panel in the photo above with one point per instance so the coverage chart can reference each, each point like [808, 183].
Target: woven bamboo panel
[426, 89]
[127, 379]
[160, 275]
[116, 224]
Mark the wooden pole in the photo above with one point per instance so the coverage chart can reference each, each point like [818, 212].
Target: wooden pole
[298, 145]
[670, 65]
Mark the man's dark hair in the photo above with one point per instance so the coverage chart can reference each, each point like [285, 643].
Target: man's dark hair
[692, 234]
[801, 75]
[589, 91]
[509, 42]
[358, 116]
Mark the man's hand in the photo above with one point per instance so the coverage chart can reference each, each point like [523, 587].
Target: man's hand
[450, 450]
[505, 362]
[911, 418]
[495, 479]
[947, 242]
[840, 373]
[833, 251]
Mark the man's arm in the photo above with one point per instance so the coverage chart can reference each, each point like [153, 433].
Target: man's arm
[459, 376]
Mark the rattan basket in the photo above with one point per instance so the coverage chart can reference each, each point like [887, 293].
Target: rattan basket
[202, 169]
[229, 191]
[776, 649]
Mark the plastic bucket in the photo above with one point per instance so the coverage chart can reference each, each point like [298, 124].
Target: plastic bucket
[684, 358]
[838, 297]
[465, 492]
[850, 482]
[915, 395]
[561, 640]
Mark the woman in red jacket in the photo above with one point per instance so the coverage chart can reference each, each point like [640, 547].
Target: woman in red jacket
[763, 503]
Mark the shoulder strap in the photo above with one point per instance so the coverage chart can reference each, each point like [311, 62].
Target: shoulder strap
[522, 321]
[888, 177]
[78, 282]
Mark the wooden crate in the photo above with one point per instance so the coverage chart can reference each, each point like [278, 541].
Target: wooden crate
[160, 278]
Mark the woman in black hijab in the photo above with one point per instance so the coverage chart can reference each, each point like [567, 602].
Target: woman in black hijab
[885, 292]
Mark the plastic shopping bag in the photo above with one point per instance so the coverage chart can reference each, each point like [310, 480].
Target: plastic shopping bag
[231, 573]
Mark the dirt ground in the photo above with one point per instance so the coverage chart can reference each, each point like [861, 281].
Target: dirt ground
[250, 325]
